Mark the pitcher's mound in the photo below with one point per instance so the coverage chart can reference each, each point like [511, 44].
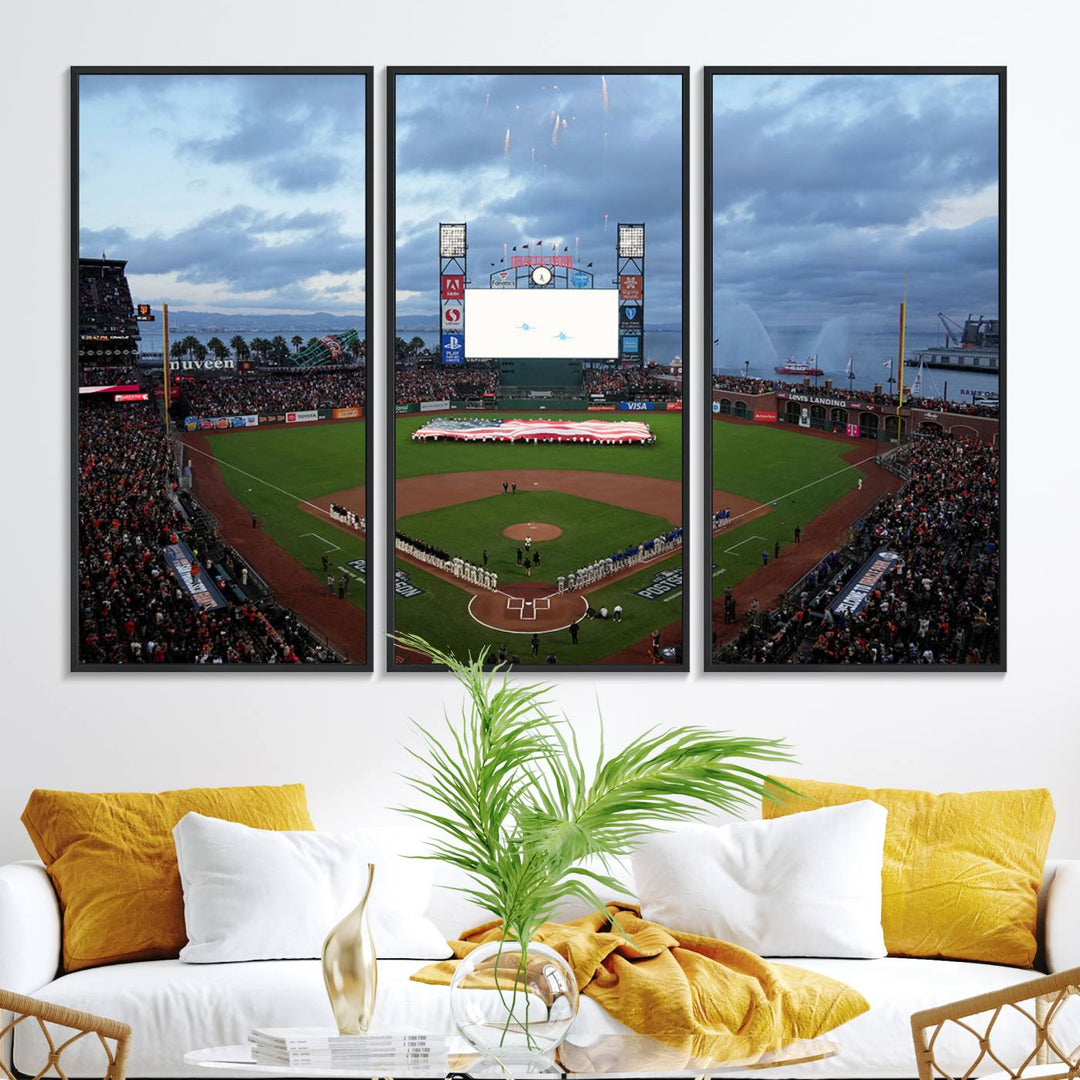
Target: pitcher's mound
[538, 530]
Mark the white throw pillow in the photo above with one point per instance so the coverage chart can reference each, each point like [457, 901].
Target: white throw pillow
[804, 885]
[259, 894]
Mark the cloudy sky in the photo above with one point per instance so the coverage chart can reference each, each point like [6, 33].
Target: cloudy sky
[487, 150]
[227, 192]
[829, 189]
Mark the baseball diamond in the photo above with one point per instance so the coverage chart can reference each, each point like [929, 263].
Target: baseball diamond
[545, 552]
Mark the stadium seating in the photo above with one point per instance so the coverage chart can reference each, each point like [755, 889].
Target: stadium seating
[938, 605]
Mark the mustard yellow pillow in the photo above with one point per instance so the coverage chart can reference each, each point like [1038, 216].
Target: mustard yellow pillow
[113, 863]
[961, 872]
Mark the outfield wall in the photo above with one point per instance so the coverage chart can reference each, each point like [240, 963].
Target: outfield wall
[821, 411]
[295, 416]
[535, 404]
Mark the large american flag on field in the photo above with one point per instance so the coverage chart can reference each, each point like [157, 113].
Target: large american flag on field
[580, 431]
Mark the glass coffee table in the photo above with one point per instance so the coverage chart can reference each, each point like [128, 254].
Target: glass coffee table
[629, 1056]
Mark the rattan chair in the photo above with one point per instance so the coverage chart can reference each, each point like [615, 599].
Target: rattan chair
[1039, 1002]
[114, 1037]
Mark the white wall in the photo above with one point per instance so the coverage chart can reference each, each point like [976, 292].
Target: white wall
[341, 734]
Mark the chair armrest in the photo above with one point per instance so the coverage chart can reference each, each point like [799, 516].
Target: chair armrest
[29, 928]
[1063, 917]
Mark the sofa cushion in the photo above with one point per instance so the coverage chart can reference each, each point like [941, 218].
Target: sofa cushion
[272, 894]
[961, 872]
[112, 860]
[805, 885]
[175, 1007]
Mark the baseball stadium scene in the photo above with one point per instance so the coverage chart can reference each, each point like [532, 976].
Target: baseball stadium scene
[855, 410]
[221, 370]
[537, 431]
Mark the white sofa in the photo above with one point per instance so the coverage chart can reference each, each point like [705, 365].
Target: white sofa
[175, 1007]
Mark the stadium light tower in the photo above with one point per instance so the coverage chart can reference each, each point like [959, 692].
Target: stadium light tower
[630, 262]
[453, 244]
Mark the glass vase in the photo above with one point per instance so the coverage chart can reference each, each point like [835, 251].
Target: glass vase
[514, 1004]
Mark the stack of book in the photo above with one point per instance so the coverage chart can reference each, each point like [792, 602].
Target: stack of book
[323, 1048]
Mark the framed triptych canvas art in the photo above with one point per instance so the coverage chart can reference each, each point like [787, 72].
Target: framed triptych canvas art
[537, 257]
[854, 369]
[220, 299]
[535, 403]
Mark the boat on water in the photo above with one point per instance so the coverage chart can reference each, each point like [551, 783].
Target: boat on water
[791, 366]
[971, 347]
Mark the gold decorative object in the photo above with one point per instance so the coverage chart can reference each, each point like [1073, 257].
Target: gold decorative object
[349, 968]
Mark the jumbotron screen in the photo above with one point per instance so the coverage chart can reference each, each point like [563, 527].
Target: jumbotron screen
[555, 323]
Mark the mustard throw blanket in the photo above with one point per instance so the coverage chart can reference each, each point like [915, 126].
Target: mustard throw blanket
[704, 998]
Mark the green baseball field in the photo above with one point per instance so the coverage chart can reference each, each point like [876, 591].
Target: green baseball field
[578, 503]
[774, 479]
[282, 474]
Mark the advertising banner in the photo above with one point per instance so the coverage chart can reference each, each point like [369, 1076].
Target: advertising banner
[630, 315]
[816, 399]
[804, 418]
[435, 406]
[272, 418]
[404, 407]
[630, 287]
[503, 280]
[637, 406]
[852, 430]
[453, 348]
[304, 416]
[601, 408]
[352, 413]
[631, 345]
[112, 388]
[451, 315]
[201, 591]
[852, 598]
[209, 366]
[453, 287]
[765, 416]
[673, 406]
[143, 396]
[580, 280]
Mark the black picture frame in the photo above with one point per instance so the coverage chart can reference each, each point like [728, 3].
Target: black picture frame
[706, 534]
[76, 72]
[393, 661]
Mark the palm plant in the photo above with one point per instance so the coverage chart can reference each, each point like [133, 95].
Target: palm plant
[518, 810]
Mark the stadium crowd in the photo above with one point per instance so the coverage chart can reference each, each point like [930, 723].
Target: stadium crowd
[940, 602]
[741, 384]
[107, 374]
[132, 609]
[631, 384]
[240, 395]
[435, 383]
[105, 304]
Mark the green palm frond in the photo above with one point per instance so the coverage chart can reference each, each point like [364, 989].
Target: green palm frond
[517, 809]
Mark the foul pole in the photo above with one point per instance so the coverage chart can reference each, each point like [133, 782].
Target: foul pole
[165, 359]
[900, 399]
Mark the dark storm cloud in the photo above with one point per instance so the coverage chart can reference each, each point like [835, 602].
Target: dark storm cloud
[825, 196]
[230, 246]
[310, 172]
[285, 130]
[288, 131]
[450, 130]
